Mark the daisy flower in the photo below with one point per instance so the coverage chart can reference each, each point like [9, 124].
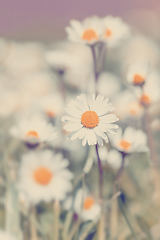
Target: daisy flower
[116, 30]
[138, 72]
[132, 140]
[127, 105]
[89, 31]
[34, 130]
[108, 84]
[6, 236]
[113, 158]
[85, 205]
[89, 119]
[44, 176]
[151, 90]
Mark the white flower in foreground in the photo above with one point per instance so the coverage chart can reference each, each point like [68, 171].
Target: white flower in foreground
[108, 84]
[6, 236]
[151, 90]
[84, 205]
[116, 30]
[138, 73]
[34, 130]
[113, 158]
[44, 176]
[132, 140]
[89, 31]
[89, 119]
[127, 105]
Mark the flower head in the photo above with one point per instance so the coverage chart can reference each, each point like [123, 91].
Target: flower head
[34, 131]
[89, 31]
[44, 177]
[89, 119]
[115, 30]
[132, 140]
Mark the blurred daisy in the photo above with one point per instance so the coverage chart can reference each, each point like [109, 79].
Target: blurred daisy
[34, 130]
[137, 73]
[127, 105]
[151, 90]
[44, 176]
[113, 158]
[89, 119]
[6, 236]
[85, 205]
[132, 140]
[89, 31]
[116, 30]
[108, 84]
[52, 105]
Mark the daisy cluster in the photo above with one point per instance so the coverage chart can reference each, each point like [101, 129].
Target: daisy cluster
[74, 121]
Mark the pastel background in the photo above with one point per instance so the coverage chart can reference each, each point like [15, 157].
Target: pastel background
[46, 19]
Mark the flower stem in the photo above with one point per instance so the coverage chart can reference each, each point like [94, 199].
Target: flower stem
[119, 173]
[100, 175]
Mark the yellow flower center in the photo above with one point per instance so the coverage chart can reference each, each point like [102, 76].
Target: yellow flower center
[42, 175]
[88, 203]
[145, 99]
[32, 134]
[89, 119]
[138, 79]
[108, 33]
[89, 35]
[125, 145]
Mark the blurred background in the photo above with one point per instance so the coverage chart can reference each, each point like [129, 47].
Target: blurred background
[46, 20]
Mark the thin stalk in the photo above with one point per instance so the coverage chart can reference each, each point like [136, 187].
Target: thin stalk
[100, 175]
[33, 229]
[119, 173]
[56, 208]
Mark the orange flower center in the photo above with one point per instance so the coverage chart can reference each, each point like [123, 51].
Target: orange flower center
[134, 108]
[145, 99]
[108, 33]
[50, 113]
[89, 119]
[88, 203]
[32, 134]
[89, 35]
[138, 79]
[42, 175]
[124, 144]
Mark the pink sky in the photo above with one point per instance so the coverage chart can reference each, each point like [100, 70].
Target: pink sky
[47, 18]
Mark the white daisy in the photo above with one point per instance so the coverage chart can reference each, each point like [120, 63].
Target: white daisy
[108, 84]
[127, 105]
[34, 130]
[52, 105]
[89, 119]
[44, 176]
[113, 158]
[6, 236]
[151, 90]
[85, 205]
[116, 30]
[132, 140]
[89, 31]
[138, 72]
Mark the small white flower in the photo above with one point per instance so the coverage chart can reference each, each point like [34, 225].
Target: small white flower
[132, 140]
[44, 176]
[127, 105]
[89, 119]
[108, 84]
[6, 236]
[113, 158]
[116, 30]
[84, 205]
[138, 73]
[89, 31]
[34, 130]
[151, 90]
